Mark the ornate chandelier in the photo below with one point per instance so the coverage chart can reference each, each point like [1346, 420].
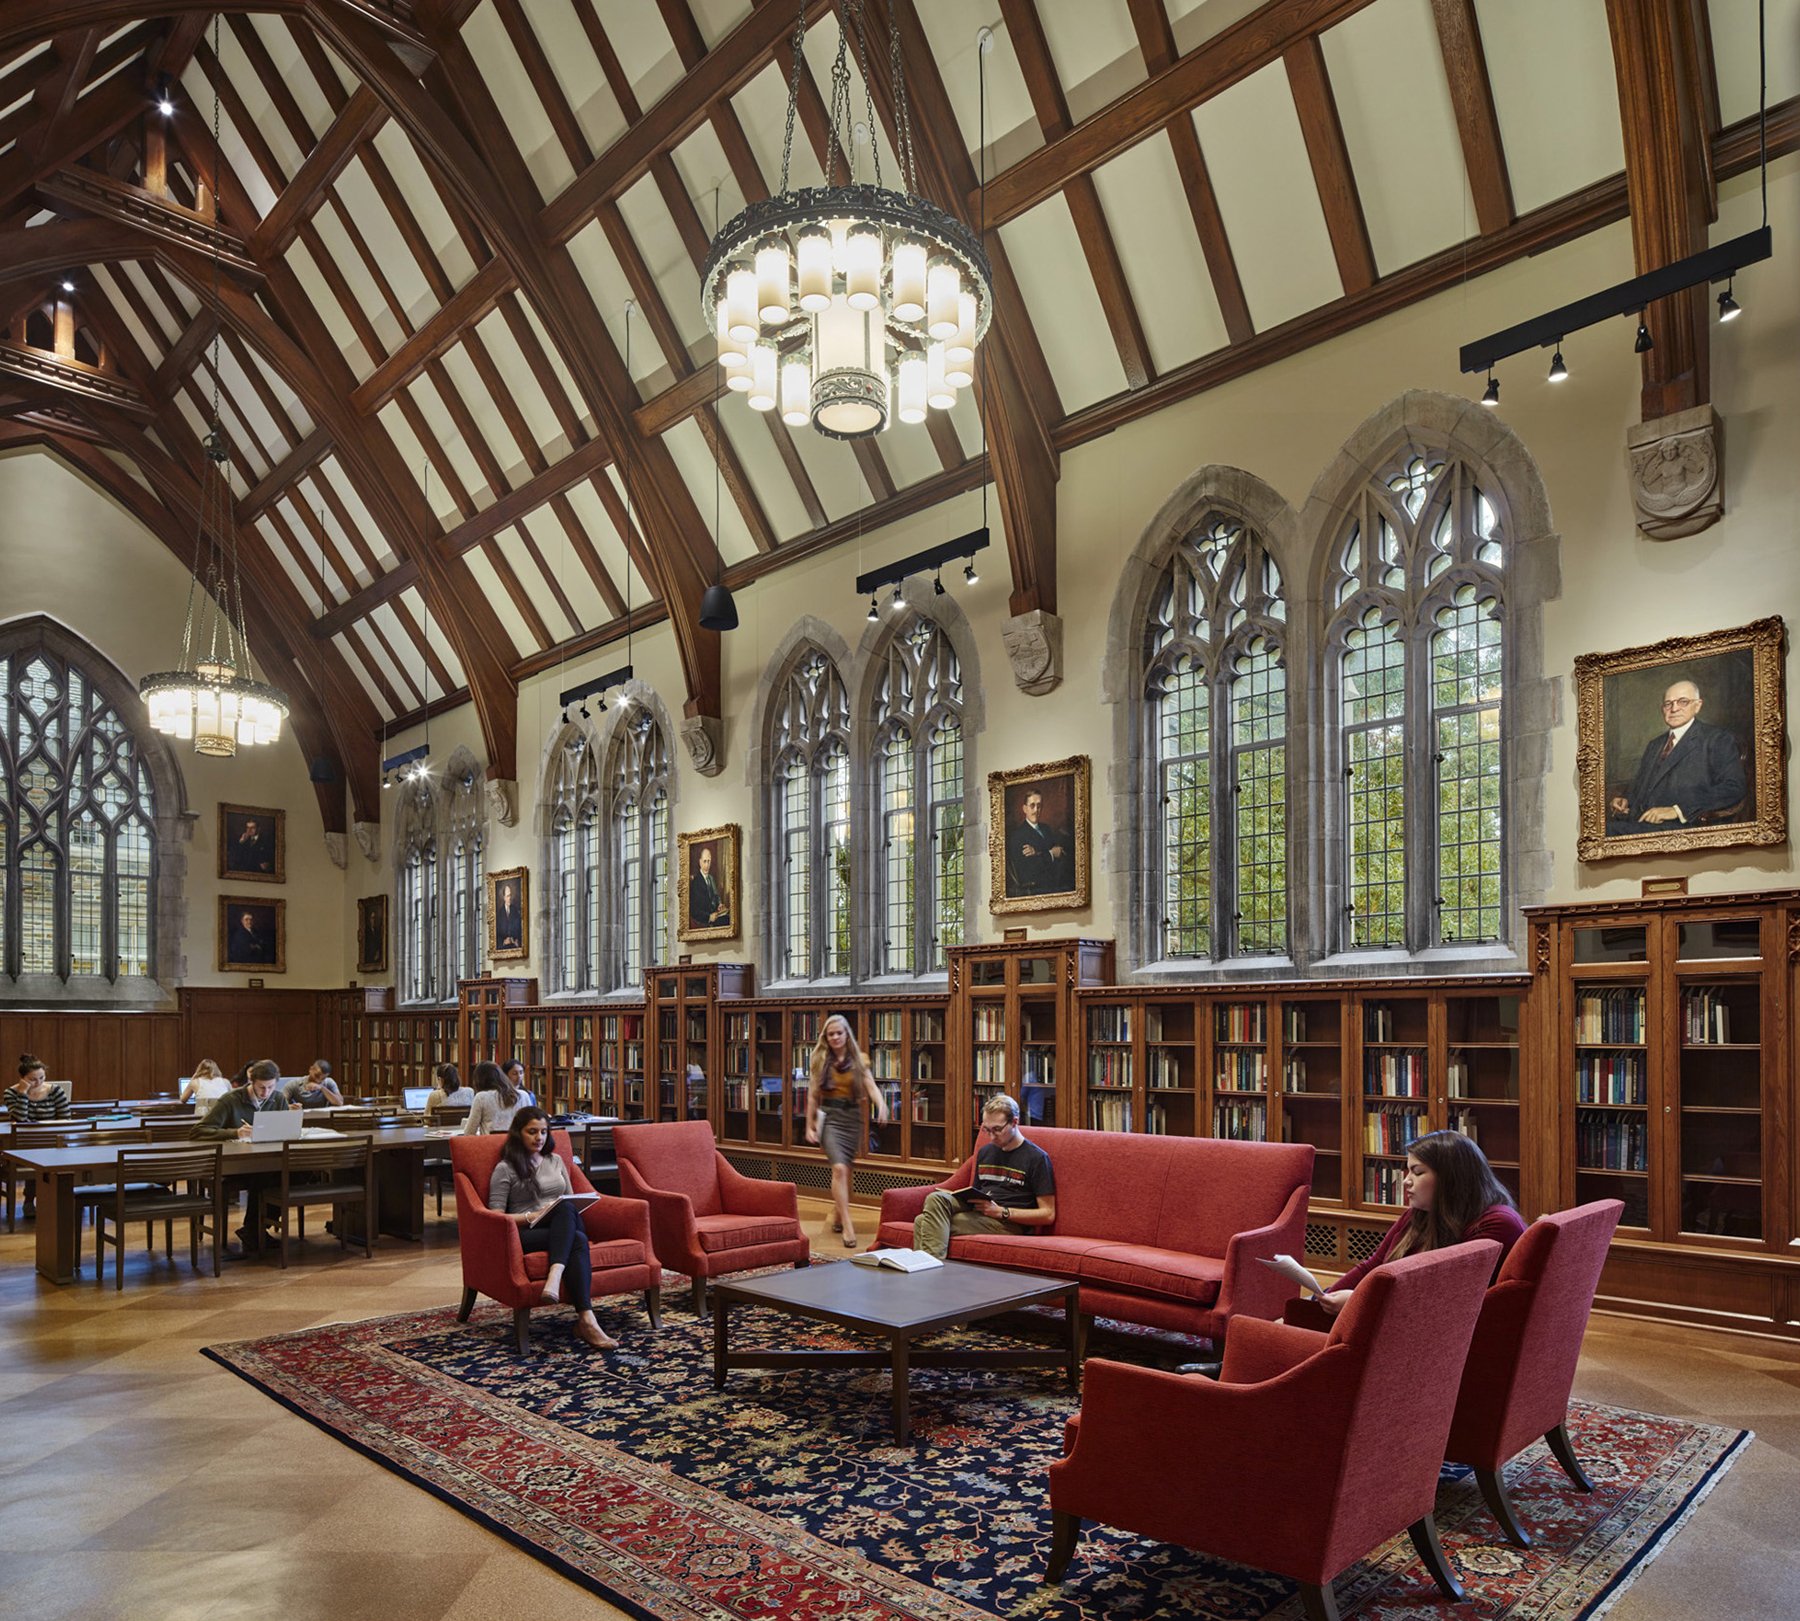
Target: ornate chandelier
[206, 699]
[848, 305]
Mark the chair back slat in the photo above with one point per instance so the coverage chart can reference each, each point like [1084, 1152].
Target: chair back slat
[69, 1134]
[354, 1119]
[323, 1156]
[115, 1134]
[170, 1131]
[155, 1163]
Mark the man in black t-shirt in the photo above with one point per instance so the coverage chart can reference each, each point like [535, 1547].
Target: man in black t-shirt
[1013, 1189]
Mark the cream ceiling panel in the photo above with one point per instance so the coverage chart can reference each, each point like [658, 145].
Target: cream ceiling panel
[702, 165]
[353, 658]
[510, 86]
[527, 392]
[1555, 95]
[444, 430]
[1256, 155]
[1193, 22]
[652, 228]
[571, 574]
[1735, 54]
[300, 576]
[641, 41]
[332, 471]
[769, 480]
[405, 644]
[563, 375]
[1393, 99]
[278, 40]
[327, 308]
[161, 318]
[717, 18]
[191, 414]
[403, 688]
[965, 417]
[832, 466]
[30, 57]
[375, 220]
[126, 465]
[290, 401]
[249, 409]
[909, 453]
[951, 27]
[761, 108]
[336, 242]
[512, 547]
[251, 185]
[153, 343]
[434, 627]
[244, 78]
[306, 513]
[694, 460]
[1153, 229]
[577, 70]
[488, 422]
[413, 458]
[1094, 50]
[487, 582]
[821, 52]
[608, 547]
[93, 85]
[607, 286]
[401, 159]
[299, 554]
[1062, 304]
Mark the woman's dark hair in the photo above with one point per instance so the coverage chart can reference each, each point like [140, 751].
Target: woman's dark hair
[448, 1077]
[240, 1080]
[27, 1063]
[491, 1078]
[515, 1153]
[1466, 1189]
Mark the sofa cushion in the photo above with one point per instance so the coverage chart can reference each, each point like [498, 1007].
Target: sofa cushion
[727, 1232]
[1193, 1279]
[1053, 1253]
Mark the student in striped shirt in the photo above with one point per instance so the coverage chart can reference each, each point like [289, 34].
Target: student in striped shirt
[32, 1098]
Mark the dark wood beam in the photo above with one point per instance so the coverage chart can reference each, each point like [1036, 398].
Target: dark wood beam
[1330, 159]
[470, 304]
[99, 117]
[175, 364]
[362, 116]
[1477, 124]
[299, 460]
[57, 93]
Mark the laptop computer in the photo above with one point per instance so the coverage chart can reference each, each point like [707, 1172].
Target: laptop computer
[415, 1097]
[275, 1126]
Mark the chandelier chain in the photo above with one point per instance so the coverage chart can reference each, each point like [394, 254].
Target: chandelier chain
[903, 141]
[798, 47]
[854, 11]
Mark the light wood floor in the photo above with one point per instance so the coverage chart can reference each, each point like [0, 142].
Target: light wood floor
[139, 1480]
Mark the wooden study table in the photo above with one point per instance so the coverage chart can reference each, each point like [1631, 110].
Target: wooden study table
[399, 1177]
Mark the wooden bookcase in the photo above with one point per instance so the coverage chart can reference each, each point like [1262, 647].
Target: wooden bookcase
[1669, 1047]
[684, 1041]
[485, 1010]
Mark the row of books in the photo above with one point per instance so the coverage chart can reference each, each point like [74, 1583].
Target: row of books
[1244, 1122]
[1384, 1184]
[1109, 1024]
[1395, 1075]
[1611, 1142]
[989, 1023]
[1391, 1128]
[1165, 1072]
[884, 1025]
[1109, 1113]
[1612, 1015]
[1705, 1018]
[1602, 1077]
[1241, 1021]
[1246, 1070]
[1378, 1022]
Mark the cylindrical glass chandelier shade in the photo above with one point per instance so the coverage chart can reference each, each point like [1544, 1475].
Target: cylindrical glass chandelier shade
[814, 255]
[959, 352]
[731, 352]
[909, 281]
[850, 393]
[912, 386]
[943, 284]
[740, 304]
[772, 280]
[862, 271]
[796, 389]
[939, 395]
[763, 362]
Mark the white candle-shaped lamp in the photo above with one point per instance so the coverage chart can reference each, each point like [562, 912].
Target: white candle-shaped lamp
[912, 386]
[909, 281]
[959, 352]
[796, 389]
[862, 275]
[740, 303]
[772, 280]
[762, 377]
[939, 395]
[943, 283]
[731, 352]
[814, 267]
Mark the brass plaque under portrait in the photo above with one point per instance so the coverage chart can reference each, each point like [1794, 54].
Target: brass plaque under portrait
[1038, 837]
[1680, 744]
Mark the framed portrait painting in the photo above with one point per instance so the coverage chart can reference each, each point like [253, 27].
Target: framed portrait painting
[1038, 837]
[372, 934]
[252, 844]
[509, 915]
[252, 935]
[707, 892]
[1680, 744]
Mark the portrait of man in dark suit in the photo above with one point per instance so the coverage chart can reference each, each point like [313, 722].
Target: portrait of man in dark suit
[1040, 857]
[706, 895]
[1038, 837]
[371, 935]
[708, 905]
[508, 928]
[252, 934]
[1691, 771]
[252, 844]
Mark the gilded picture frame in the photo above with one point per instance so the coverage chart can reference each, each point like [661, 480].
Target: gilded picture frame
[1680, 744]
[252, 844]
[372, 934]
[1038, 854]
[508, 914]
[709, 893]
[251, 935]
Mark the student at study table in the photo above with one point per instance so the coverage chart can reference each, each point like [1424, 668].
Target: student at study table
[205, 1086]
[496, 1101]
[31, 1098]
[228, 1120]
[527, 1181]
[449, 1092]
[514, 1071]
[316, 1089]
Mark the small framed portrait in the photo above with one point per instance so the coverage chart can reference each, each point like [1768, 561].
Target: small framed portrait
[252, 935]
[509, 915]
[1680, 744]
[372, 934]
[1038, 837]
[252, 844]
[708, 889]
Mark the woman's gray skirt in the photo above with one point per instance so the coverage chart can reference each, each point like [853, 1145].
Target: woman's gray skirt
[840, 1125]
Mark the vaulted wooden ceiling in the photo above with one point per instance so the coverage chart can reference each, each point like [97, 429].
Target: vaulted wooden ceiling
[398, 275]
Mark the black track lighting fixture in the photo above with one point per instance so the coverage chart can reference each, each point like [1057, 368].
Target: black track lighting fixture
[586, 713]
[937, 583]
[1729, 308]
[970, 577]
[896, 603]
[1492, 394]
[1645, 343]
[1558, 371]
[929, 561]
[874, 610]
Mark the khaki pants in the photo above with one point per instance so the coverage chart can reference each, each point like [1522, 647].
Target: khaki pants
[944, 1216]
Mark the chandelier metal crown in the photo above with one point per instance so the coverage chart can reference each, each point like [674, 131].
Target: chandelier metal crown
[847, 305]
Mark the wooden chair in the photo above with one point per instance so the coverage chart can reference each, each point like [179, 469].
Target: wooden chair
[170, 1131]
[448, 1114]
[321, 1173]
[155, 1183]
[91, 1195]
[16, 1183]
[354, 1119]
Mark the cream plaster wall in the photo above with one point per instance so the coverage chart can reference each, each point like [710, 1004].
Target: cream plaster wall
[69, 551]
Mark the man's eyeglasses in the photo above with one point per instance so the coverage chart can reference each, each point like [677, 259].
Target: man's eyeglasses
[1000, 1130]
[1679, 703]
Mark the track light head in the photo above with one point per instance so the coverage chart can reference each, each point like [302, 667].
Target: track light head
[896, 602]
[1558, 371]
[67, 285]
[1492, 395]
[1645, 343]
[1729, 308]
[874, 612]
[586, 713]
[937, 583]
[969, 574]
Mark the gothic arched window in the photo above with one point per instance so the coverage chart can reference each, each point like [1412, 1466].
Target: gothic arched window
[573, 866]
[1216, 720]
[467, 840]
[417, 936]
[810, 815]
[637, 790]
[1416, 649]
[918, 775]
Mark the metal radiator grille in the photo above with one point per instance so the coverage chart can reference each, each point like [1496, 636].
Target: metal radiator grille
[1321, 1241]
[815, 1175]
[1361, 1242]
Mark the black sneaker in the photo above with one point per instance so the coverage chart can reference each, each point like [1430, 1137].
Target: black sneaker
[1205, 1370]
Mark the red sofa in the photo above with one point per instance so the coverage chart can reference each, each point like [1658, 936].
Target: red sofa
[1163, 1231]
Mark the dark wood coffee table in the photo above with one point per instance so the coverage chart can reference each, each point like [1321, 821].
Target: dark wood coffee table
[902, 1308]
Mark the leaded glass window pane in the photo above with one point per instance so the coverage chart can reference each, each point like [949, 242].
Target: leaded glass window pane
[630, 823]
[1259, 799]
[796, 866]
[595, 891]
[834, 777]
[1466, 672]
[567, 900]
[133, 848]
[87, 883]
[809, 727]
[1374, 720]
[897, 853]
[947, 838]
[1184, 765]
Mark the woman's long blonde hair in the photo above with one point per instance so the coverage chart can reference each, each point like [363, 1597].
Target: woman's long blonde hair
[821, 1053]
[207, 1070]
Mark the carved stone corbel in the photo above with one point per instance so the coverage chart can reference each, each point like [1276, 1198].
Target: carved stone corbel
[368, 840]
[503, 800]
[1675, 466]
[1034, 645]
[338, 848]
[704, 738]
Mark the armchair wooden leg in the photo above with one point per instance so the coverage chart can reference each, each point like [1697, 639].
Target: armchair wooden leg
[699, 1297]
[1318, 1603]
[653, 1305]
[1564, 1452]
[467, 1306]
[1425, 1539]
[1493, 1493]
[522, 1328]
[1065, 1531]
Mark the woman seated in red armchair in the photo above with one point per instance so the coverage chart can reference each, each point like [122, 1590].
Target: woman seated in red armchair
[527, 1181]
[1452, 1196]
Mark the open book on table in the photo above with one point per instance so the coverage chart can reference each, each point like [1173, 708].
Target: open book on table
[576, 1199]
[898, 1260]
[1296, 1274]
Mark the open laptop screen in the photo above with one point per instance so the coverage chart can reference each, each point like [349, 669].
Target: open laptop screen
[416, 1097]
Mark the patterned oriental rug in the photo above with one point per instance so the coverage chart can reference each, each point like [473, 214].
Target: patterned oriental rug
[784, 1498]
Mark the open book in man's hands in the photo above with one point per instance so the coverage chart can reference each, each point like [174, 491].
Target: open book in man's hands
[898, 1260]
[1295, 1273]
[576, 1199]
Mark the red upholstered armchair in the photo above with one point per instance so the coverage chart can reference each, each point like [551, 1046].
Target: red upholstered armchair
[706, 1218]
[1332, 1447]
[495, 1264]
